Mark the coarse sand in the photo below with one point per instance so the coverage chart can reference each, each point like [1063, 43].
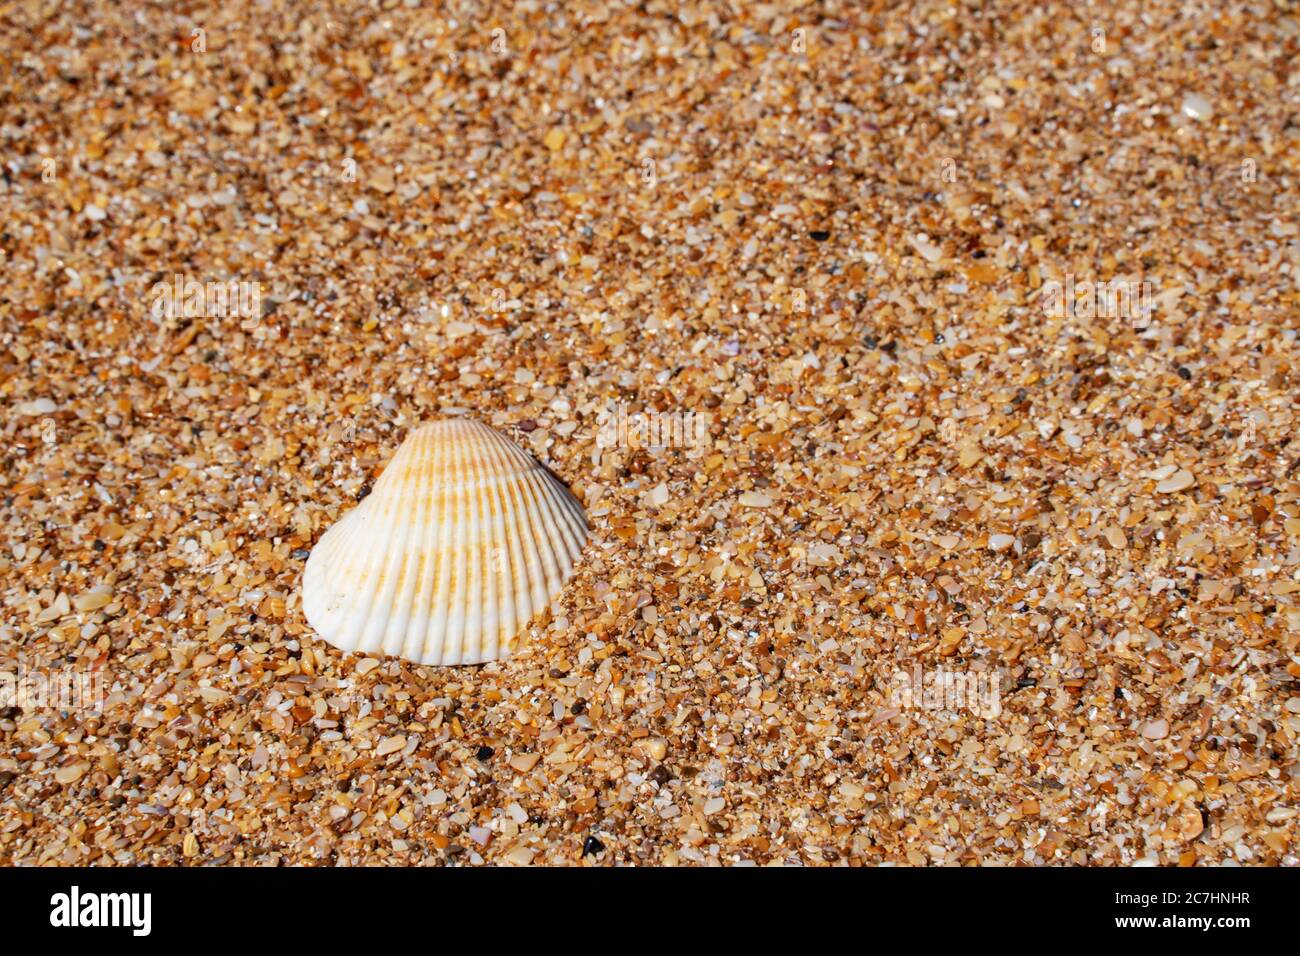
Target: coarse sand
[927, 372]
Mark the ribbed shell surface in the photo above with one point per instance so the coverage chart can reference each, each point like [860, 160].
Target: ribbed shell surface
[463, 538]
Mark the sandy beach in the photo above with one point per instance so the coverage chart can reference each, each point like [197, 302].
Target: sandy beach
[927, 373]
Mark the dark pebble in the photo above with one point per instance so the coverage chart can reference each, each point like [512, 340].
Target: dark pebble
[591, 846]
[484, 753]
[819, 235]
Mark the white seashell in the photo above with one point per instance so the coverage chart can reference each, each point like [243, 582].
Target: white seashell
[462, 540]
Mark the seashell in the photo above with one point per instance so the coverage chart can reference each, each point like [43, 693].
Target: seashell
[463, 538]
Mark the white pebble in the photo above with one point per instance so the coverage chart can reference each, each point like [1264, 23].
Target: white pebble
[928, 250]
[1000, 542]
[1197, 107]
[1178, 481]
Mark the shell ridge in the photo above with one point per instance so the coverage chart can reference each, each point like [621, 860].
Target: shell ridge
[471, 631]
[434, 534]
[367, 556]
[520, 527]
[388, 540]
[544, 543]
[493, 514]
[490, 550]
[572, 531]
[463, 546]
[555, 497]
[505, 552]
[332, 544]
[401, 528]
[531, 551]
[404, 609]
[454, 627]
[389, 543]
[420, 598]
[435, 631]
[575, 534]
